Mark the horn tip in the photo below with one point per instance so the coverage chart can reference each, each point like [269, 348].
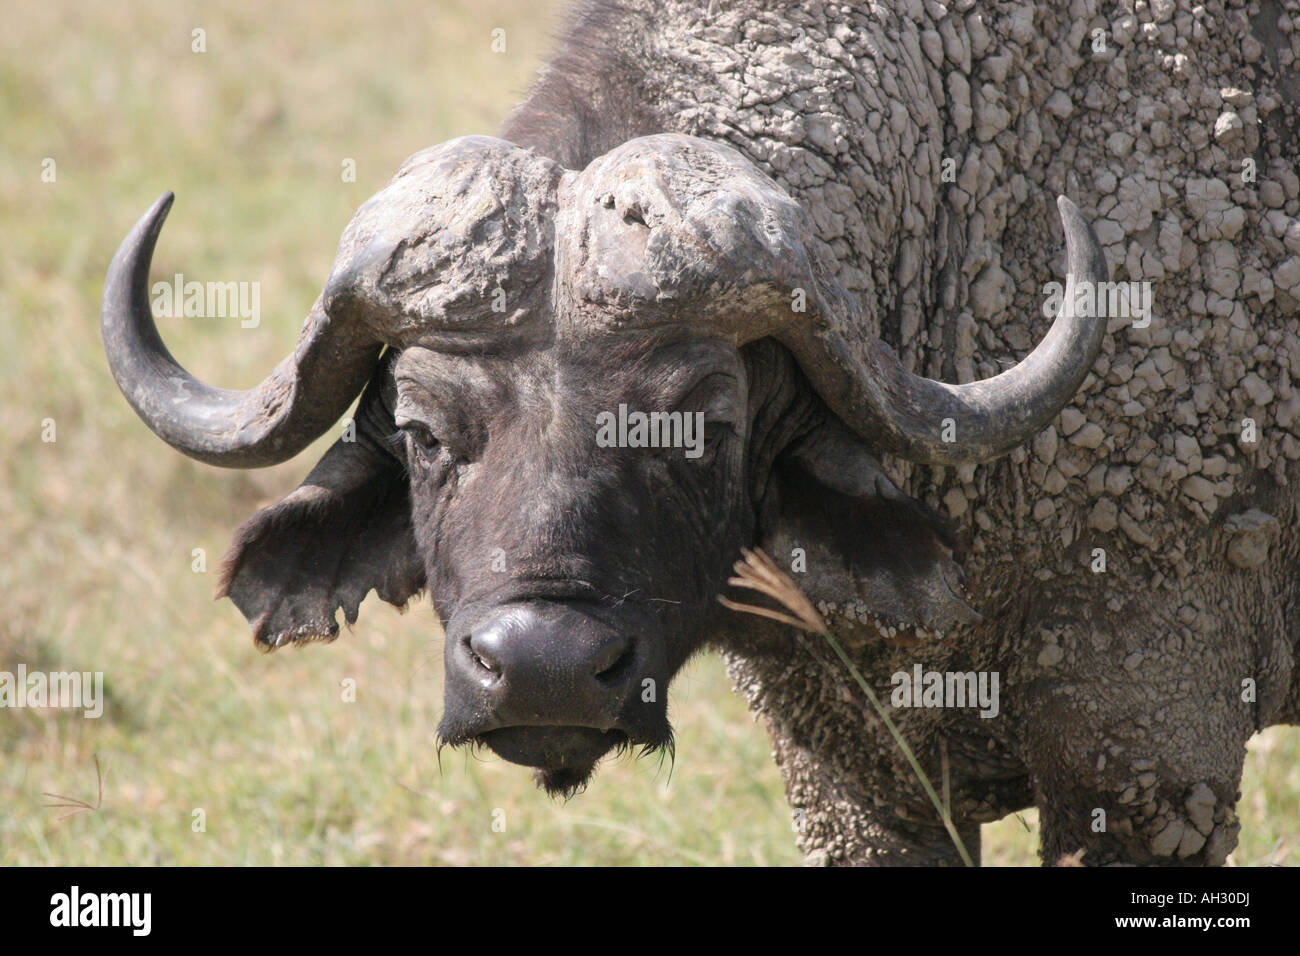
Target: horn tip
[150, 224]
[160, 208]
[1068, 210]
[1083, 249]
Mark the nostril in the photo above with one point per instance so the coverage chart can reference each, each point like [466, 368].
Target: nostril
[482, 653]
[614, 661]
[541, 650]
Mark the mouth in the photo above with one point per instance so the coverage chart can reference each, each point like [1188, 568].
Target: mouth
[564, 758]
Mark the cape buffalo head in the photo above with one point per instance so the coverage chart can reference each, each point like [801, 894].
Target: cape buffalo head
[587, 390]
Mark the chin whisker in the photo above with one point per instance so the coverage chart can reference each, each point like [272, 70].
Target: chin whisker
[565, 783]
[666, 750]
[473, 746]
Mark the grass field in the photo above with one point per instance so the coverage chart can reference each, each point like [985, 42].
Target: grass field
[100, 526]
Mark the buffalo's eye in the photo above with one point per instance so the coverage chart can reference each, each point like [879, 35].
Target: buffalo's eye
[424, 442]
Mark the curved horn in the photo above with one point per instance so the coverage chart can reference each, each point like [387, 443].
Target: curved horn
[303, 396]
[670, 227]
[908, 413]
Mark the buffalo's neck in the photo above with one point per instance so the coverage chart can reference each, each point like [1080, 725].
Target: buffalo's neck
[599, 89]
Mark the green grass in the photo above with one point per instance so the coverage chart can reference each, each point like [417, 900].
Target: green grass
[99, 526]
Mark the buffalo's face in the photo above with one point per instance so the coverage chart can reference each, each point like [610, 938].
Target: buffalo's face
[573, 563]
[587, 390]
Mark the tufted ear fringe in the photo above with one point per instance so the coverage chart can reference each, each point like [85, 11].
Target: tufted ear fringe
[346, 530]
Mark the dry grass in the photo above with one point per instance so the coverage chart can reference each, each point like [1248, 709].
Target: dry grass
[100, 526]
[758, 572]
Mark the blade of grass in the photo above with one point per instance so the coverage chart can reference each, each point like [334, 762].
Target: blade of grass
[759, 573]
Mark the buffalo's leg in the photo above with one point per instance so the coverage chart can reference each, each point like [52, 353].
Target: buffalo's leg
[840, 822]
[1134, 747]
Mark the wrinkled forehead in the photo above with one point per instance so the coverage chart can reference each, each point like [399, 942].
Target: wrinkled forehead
[637, 352]
[478, 241]
[660, 362]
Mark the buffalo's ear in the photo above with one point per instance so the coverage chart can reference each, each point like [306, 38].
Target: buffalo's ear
[869, 548]
[345, 530]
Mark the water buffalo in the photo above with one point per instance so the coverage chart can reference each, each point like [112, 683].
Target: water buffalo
[726, 213]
